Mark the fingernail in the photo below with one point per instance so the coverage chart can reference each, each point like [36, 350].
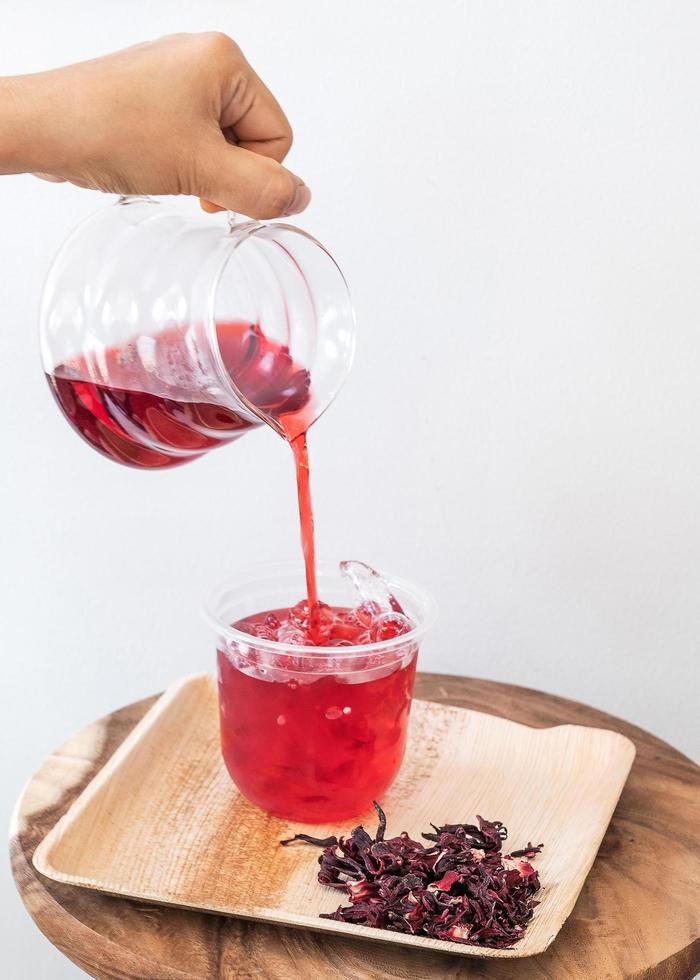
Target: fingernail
[209, 207]
[302, 196]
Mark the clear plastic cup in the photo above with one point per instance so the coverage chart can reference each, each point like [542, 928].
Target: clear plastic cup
[312, 734]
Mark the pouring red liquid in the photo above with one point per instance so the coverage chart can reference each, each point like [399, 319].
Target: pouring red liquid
[315, 738]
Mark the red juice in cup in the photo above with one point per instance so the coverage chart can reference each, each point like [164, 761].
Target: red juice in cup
[315, 732]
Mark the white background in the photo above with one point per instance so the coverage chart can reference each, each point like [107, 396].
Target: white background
[513, 193]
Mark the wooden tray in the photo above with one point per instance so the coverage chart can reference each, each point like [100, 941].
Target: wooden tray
[162, 821]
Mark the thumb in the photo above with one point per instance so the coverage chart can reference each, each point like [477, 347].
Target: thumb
[235, 179]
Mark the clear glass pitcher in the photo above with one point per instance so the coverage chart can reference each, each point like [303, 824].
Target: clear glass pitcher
[163, 336]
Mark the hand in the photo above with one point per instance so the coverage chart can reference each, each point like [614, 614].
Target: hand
[182, 115]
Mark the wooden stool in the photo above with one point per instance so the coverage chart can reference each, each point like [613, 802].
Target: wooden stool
[638, 915]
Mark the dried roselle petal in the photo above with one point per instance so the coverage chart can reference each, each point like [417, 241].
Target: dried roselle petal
[361, 839]
[493, 831]
[399, 923]
[381, 827]
[527, 852]
[461, 888]
[363, 891]
[445, 883]
[526, 870]
[317, 841]
[393, 887]
[337, 869]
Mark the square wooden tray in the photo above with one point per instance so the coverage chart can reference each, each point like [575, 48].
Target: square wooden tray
[162, 821]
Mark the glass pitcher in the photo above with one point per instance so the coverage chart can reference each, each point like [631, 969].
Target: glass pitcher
[163, 336]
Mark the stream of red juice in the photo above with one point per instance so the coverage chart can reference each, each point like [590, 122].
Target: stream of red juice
[300, 450]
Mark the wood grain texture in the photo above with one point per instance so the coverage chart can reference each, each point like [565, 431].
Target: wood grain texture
[163, 822]
[631, 920]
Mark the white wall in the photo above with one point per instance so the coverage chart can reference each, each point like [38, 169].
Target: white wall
[512, 191]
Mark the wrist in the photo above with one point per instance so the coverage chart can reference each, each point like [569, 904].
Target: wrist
[31, 124]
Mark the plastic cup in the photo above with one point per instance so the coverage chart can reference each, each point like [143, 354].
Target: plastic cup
[312, 734]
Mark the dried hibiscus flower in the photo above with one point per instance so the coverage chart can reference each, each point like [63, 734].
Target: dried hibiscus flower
[461, 888]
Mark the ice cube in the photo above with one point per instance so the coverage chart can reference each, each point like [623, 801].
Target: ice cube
[388, 626]
[348, 626]
[267, 630]
[300, 613]
[370, 586]
[291, 633]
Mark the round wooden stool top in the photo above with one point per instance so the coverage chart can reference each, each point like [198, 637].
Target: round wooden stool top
[638, 915]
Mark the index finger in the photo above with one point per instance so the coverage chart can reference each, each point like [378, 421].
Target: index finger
[255, 119]
[252, 118]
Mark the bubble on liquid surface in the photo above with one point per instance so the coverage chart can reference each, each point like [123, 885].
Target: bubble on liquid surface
[370, 586]
[333, 713]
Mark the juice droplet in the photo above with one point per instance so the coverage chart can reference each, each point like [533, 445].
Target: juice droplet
[346, 711]
[334, 713]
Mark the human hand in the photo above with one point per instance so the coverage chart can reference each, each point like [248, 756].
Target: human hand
[185, 114]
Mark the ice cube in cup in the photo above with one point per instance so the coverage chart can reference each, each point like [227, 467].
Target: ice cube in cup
[371, 588]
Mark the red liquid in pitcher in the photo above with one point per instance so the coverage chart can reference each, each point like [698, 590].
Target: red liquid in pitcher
[137, 428]
[310, 738]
